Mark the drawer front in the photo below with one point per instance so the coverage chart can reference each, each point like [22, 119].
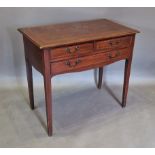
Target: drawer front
[116, 43]
[71, 51]
[88, 62]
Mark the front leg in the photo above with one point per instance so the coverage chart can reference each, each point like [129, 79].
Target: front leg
[127, 73]
[126, 80]
[48, 100]
[47, 87]
[30, 82]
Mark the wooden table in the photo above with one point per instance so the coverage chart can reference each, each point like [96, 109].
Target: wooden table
[73, 47]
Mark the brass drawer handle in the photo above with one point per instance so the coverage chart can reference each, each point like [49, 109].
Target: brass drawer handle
[68, 50]
[68, 63]
[116, 55]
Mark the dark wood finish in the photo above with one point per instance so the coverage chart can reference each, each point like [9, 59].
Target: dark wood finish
[73, 47]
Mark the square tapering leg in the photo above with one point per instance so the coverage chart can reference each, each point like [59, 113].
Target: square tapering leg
[48, 91]
[126, 80]
[30, 83]
[48, 100]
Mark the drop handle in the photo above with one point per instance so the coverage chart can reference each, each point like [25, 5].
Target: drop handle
[114, 56]
[76, 49]
[68, 63]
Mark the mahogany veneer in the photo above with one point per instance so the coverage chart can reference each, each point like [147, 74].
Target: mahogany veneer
[72, 47]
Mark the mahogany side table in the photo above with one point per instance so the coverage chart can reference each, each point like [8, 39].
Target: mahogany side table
[73, 47]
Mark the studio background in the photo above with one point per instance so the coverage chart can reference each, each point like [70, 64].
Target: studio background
[12, 65]
[83, 116]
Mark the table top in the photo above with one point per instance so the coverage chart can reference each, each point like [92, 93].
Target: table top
[75, 32]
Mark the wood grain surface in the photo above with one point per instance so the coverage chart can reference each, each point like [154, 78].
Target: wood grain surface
[75, 32]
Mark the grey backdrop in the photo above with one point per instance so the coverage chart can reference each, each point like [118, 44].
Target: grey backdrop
[12, 67]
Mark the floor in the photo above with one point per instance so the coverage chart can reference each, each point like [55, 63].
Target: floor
[83, 116]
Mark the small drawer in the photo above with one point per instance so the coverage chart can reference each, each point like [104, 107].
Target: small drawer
[71, 51]
[88, 62]
[117, 43]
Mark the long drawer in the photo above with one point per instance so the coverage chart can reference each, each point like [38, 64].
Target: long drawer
[84, 63]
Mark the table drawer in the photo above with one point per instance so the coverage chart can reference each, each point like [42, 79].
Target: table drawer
[71, 51]
[116, 43]
[87, 62]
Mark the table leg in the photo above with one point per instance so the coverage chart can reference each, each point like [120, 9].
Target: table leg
[48, 99]
[126, 80]
[30, 83]
[100, 76]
